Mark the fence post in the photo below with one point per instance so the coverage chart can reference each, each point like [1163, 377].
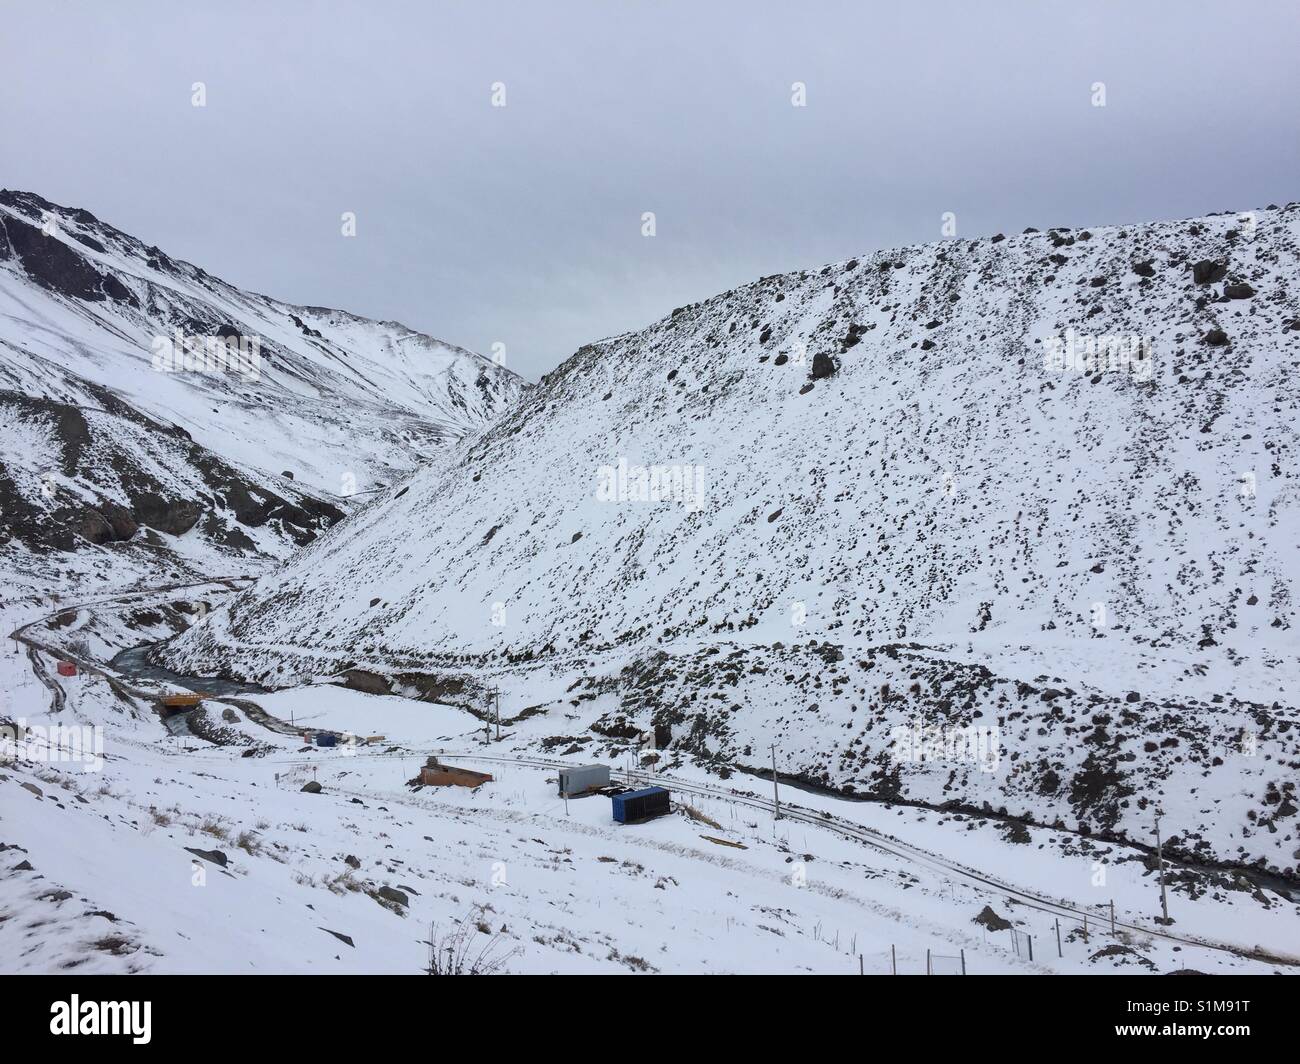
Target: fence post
[963, 962]
[861, 970]
[1031, 947]
[1112, 916]
[893, 959]
[1058, 938]
[927, 962]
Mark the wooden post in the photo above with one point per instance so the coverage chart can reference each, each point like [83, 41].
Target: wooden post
[1112, 916]
[893, 959]
[927, 961]
[1058, 938]
[1031, 947]
[963, 961]
[861, 967]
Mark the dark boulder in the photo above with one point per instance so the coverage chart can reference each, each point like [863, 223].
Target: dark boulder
[393, 895]
[120, 519]
[991, 920]
[823, 366]
[91, 526]
[1207, 271]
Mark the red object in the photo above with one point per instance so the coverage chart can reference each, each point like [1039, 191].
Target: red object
[66, 668]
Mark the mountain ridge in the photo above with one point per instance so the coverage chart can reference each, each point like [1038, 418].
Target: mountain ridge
[287, 415]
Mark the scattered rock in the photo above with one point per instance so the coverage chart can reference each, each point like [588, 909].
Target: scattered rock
[345, 939]
[991, 920]
[393, 895]
[215, 857]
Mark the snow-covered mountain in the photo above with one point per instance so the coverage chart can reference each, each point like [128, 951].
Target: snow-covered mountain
[138, 392]
[1046, 483]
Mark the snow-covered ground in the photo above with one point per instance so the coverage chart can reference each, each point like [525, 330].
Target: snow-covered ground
[98, 873]
[870, 498]
[900, 518]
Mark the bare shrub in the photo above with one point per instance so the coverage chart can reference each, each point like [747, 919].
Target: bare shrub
[468, 948]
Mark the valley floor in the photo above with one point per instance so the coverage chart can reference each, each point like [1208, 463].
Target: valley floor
[184, 854]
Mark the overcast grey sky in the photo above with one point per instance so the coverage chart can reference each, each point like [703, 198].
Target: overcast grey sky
[522, 224]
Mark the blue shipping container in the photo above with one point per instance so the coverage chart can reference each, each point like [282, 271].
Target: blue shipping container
[633, 806]
[327, 740]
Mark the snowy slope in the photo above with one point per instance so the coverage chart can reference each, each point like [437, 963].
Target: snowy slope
[885, 454]
[199, 851]
[255, 456]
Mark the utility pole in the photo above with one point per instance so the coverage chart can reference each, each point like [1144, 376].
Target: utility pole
[1160, 863]
[776, 797]
[497, 691]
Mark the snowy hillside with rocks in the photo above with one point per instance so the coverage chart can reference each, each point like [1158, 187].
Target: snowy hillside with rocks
[112, 441]
[219, 841]
[1045, 484]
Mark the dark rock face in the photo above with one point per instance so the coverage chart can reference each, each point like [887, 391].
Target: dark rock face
[106, 523]
[91, 526]
[311, 787]
[20, 520]
[174, 517]
[1238, 291]
[1144, 269]
[1216, 338]
[369, 682]
[1207, 271]
[52, 264]
[69, 521]
[823, 366]
[120, 519]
